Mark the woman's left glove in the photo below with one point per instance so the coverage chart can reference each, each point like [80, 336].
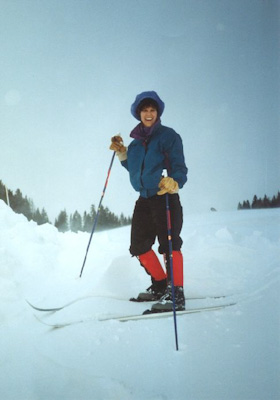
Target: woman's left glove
[168, 185]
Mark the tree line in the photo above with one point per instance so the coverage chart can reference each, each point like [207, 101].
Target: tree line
[74, 222]
[23, 205]
[258, 203]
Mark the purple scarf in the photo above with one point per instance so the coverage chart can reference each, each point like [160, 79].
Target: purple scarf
[143, 132]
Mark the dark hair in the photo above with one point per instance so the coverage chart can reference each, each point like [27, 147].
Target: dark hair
[146, 103]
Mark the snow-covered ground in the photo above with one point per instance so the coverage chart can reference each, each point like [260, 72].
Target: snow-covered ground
[232, 354]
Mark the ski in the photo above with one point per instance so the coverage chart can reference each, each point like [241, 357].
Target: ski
[70, 303]
[136, 317]
[148, 314]
[136, 300]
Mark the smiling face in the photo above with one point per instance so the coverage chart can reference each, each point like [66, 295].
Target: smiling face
[148, 116]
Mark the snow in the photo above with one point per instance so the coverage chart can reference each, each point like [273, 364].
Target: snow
[231, 354]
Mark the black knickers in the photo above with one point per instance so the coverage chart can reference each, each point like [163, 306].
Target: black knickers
[149, 222]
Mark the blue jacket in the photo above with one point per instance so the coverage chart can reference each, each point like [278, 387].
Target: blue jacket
[146, 160]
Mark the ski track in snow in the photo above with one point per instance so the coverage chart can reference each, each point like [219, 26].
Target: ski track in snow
[228, 354]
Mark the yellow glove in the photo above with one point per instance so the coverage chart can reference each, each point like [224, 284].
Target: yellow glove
[168, 185]
[118, 146]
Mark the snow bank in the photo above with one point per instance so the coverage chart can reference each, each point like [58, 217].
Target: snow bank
[223, 355]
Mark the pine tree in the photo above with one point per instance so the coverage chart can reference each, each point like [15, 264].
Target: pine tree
[87, 222]
[275, 202]
[266, 202]
[3, 195]
[244, 206]
[16, 201]
[76, 222]
[21, 205]
[102, 219]
[123, 221]
[40, 217]
[92, 213]
[257, 203]
[44, 217]
[61, 223]
[2, 192]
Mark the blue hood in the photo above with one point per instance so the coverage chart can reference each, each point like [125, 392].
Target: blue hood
[146, 95]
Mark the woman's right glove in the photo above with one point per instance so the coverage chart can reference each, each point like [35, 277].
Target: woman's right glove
[118, 146]
[168, 185]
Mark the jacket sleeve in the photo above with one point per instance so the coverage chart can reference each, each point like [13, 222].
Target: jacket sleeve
[124, 164]
[174, 157]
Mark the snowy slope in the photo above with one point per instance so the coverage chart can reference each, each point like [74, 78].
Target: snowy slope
[233, 354]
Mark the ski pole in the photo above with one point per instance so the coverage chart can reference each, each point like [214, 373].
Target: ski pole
[98, 210]
[169, 235]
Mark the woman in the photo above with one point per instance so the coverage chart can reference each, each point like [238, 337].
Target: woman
[155, 148]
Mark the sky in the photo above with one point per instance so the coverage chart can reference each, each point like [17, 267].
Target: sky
[70, 70]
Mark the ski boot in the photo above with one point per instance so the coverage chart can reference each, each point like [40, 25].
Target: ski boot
[165, 304]
[153, 293]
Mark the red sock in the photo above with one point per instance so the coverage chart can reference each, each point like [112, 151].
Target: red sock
[178, 273]
[152, 265]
